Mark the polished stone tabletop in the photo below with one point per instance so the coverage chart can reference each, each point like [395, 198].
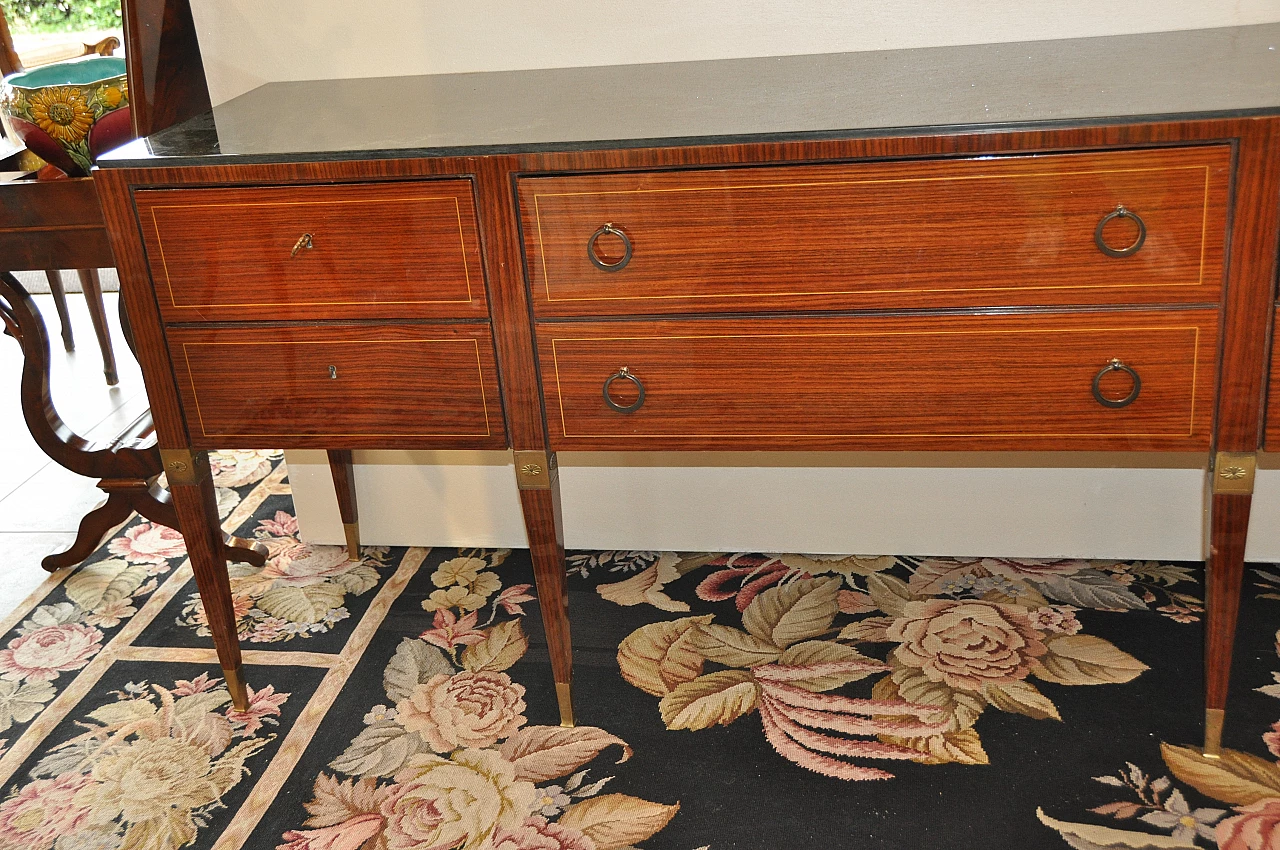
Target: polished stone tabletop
[1205, 73]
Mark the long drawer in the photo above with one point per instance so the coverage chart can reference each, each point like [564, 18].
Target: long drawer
[1018, 230]
[959, 382]
[372, 250]
[388, 386]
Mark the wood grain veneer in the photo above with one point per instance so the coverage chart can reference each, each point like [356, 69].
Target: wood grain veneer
[396, 385]
[873, 383]
[1011, 230]
[386, 250]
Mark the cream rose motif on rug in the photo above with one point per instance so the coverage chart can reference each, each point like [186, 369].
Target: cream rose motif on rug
[300, 592]
[146, 772]
[42, 653]
[450, 762]
[963, 635]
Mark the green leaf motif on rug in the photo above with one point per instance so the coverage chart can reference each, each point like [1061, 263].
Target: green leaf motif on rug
[304, 605]
[414, 663]
[1235, 777]
[1087, 660]
[504, 645]
[710, 700]
[613, 821]
[540, 753]
[659, 657]
[105, 582]
[790, 613]
[379, 750]
[21, 702]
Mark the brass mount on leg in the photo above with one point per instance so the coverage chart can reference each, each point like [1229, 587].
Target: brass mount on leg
[564, 695]
[1233, 473]
[236, 687]
[1213, 718]
[535, 470]
[352, 532]
[184, 467]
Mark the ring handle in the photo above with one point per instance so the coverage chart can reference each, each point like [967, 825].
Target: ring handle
[618, 266]
[1116, 366]
[623, 374]
[1121, 211]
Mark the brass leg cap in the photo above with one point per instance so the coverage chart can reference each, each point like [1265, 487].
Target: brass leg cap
[564, 695]
[236, 687]
[1213, 718]
[352, 531]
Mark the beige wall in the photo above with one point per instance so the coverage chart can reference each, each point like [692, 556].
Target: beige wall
[249, 42]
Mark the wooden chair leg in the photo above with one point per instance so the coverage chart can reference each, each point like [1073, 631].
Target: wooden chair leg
[92, 287]
[93, 527]
[60, 302]
[344, 483]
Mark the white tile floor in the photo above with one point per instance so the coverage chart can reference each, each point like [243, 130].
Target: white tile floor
[41, 503]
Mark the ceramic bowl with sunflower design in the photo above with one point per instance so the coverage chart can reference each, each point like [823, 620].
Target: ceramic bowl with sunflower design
[70, 112]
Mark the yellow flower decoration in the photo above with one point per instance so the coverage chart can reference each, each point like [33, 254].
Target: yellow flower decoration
[112, 96]
[485, 584]
[457, 571]
[458, 596]
[62, 113]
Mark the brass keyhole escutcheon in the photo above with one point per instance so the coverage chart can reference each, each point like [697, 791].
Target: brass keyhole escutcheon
[333, 373]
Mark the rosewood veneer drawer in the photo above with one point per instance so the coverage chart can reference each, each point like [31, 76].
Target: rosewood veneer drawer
[972, 232]
[966, 382]
[336, 387]
[1271, 438]
[373, 250]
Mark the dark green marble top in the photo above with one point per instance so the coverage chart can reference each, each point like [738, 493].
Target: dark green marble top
[1204, 73]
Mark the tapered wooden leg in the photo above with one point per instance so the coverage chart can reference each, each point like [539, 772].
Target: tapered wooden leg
[92, 287]
[540, 498]
[1229, 523]
[344, 483]
[60, 302]
[191, 485]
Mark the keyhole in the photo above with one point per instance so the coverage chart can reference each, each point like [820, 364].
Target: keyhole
[333, 372]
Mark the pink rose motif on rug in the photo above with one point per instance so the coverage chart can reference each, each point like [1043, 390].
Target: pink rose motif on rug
[451, 762]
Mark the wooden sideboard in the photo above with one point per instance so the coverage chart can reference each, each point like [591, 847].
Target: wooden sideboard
[1051, 246]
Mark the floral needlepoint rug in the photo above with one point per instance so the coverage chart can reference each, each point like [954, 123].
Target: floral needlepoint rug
[726, 700]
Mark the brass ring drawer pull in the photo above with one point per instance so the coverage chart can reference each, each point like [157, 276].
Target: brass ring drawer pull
[616, 266]
[623, 374]
[1116, 366]
[304, 241]
[1120, 211]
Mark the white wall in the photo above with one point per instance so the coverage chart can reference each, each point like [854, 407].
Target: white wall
[248, 42]
[1101, 506]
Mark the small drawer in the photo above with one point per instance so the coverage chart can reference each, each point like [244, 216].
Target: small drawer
[955, 382]
[1017, 230]
[374, 250]
[339, 387]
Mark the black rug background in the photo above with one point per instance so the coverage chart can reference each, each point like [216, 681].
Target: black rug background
[736, 792]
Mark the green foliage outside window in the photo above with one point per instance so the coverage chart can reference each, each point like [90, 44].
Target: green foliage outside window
[61, 15]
